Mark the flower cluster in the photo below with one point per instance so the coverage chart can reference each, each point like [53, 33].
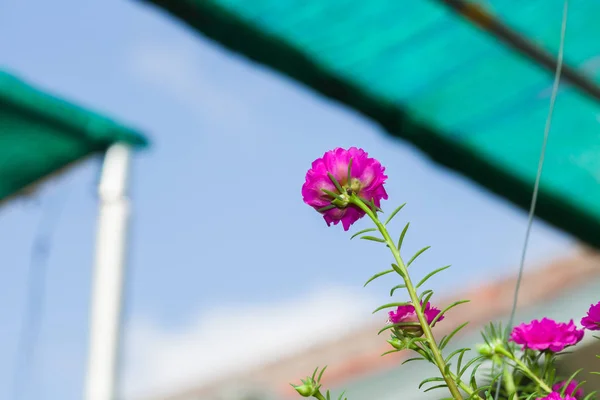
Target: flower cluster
[345, 185]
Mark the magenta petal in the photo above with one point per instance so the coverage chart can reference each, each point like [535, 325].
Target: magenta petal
[556, 396]
[546, 334]
[367, 176]
[592, 320]
[352, 215]
[570, 390]
[407, 314]
[334, 216]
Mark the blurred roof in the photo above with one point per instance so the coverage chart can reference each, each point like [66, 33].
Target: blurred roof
[562, 289]
[434, 73]
[42, 135]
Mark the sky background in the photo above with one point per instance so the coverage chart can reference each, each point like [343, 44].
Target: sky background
[223, 251]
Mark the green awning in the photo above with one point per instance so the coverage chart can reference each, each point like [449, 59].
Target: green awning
[429, 76]
[40, 135]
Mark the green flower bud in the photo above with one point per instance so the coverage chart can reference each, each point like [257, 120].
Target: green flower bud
[341, 201]
[491, 350]
[397, 344]
[308, 388]
[485, 350]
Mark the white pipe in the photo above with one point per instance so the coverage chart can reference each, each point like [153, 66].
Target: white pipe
[108, 277]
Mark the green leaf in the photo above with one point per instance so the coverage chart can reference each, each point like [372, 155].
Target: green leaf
[335, 182]
[400, 286]
[373, 238]
[349, 181]
[455, 352]
[456, 303]
[331, 194]
[417, 254]
[562, 392]
[579, 386]
[435, 387]
[393, 214]
[485, 339]
[398, 270]
[398, 325]
[326, 208]
[473, 382]
[402, 235]
[361, 232]
[447, 338]
[416, 339]
[434, 379]
[389, 352]
[321, 374]
[377, 275]
[459, 362]
[474, 372]
[427, 293]
[467, 365]
[447, 368]
[314, 373]
[390, 305]
[429, 275]
[372, 206]
[413, 359]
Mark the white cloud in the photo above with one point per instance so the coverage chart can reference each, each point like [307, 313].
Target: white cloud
[236, 337]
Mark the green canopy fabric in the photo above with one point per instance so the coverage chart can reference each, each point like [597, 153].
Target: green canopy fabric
[436, 80]
[40, 135]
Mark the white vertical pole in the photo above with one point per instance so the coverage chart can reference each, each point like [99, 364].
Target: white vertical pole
[109, 268]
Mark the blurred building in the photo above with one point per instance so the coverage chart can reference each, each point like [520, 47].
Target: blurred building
[562, 289]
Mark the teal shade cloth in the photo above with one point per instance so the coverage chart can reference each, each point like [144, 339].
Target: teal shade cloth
[433, 79]
[40, 135]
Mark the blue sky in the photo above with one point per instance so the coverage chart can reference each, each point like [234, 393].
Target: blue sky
[220, 234]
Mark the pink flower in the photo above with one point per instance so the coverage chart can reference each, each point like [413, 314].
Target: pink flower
[556, 396]
[546, 335]
[366, 181]
[592, 320]
[407, 314]
[570, 391]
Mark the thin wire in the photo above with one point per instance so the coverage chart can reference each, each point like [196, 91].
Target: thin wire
[536, 186]
[36, 291]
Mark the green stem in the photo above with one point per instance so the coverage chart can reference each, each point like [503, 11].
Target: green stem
[468, 390]
[524, 368]
[509, 383]
[319, 396]
[437, 356]
[547, 364]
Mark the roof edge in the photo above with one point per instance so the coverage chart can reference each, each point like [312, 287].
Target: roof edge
[224, 27]
[22, 97]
